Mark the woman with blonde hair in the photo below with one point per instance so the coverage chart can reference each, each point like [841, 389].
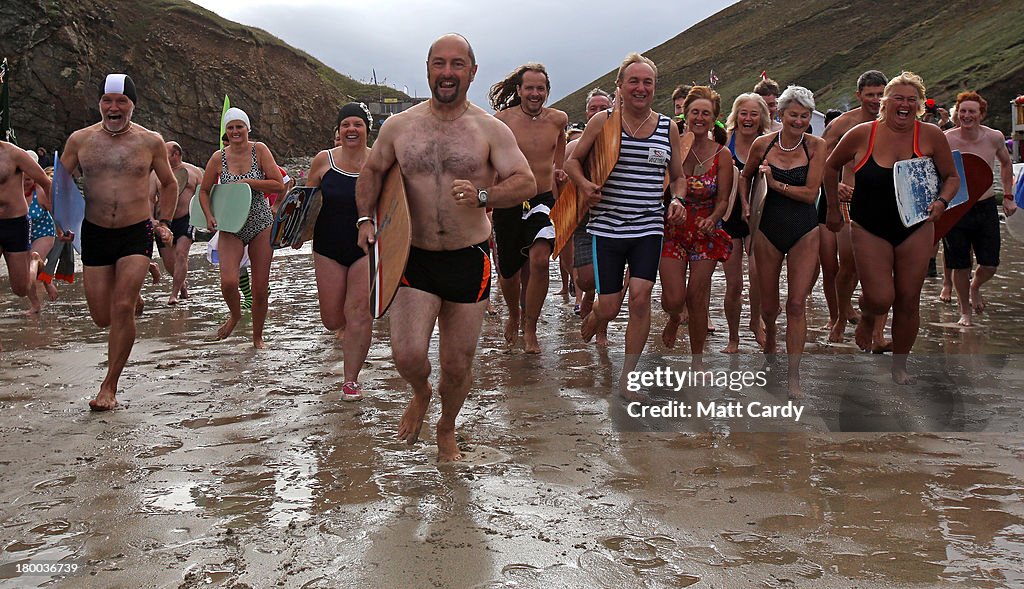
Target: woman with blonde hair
[892, 260]
[748, 120]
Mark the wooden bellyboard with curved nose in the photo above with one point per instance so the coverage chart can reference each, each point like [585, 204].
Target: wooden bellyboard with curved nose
[390, 251]
[976, 178]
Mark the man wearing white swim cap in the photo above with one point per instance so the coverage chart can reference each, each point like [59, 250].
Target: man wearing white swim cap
[115, 156]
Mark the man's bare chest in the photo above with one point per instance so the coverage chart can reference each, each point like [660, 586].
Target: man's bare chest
[102, 159]
[451, 155]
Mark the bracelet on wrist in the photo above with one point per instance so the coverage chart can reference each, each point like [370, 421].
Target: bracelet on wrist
[361, 220]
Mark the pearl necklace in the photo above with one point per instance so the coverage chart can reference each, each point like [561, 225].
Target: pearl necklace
[631, 132]
[787, 149]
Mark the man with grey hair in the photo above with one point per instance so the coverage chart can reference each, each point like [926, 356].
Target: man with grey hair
[116, 157]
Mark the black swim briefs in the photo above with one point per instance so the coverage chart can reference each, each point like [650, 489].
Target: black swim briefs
[457, 276]
[14, 235]
[104, 246]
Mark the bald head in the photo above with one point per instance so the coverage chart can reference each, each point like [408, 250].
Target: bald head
[173, 152]
[457, 38]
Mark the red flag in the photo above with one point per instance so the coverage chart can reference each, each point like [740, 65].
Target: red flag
[764, 74]
[713, 78]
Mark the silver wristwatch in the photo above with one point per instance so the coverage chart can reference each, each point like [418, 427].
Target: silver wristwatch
[481, 198]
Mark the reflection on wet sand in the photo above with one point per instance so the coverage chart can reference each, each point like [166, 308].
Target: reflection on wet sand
[236, 468]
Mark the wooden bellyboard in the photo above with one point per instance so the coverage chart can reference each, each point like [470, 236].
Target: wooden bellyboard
[390, 251]
[68, 203]
[231, 203]
[734, 194]
[600, 162]
[565, 216]
[296, 217]
[758, 194]
[181, 178]
[978, 176]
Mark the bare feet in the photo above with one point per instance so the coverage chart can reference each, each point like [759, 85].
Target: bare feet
[258, 343]
[512, 329]
[635, 396]
[881, 346]
[671, 331]
[588, 327]
[229, 326]
[412, 420]
[977, 301]
[965, 320]
[51, 291]
[853, 316]
[946, 295]
[758, 330]
[172, 300]
[530, 343]
[154, 272]
[899, 370]
[447, 445]
[602, 336]
[104, 401]
[183, 294]
[733, 347]
[140, 306]
[862, 335]
[837, 332]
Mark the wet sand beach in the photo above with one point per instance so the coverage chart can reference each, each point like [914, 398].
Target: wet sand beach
[231, 467]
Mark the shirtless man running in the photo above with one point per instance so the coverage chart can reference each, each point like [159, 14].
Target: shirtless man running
[455, 159]
[870, 86]
[175, 254]
[979, 228]
[15, 246]
[116, 156]
[525, 233]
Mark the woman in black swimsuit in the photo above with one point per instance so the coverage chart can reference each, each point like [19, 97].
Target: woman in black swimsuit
[892, 260]
[748, 120]
[793, 162]
[342, 277]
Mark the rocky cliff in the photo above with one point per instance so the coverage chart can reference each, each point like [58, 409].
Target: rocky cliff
[183, 58]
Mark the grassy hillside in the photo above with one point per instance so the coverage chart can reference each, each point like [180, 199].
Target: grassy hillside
[825, 44]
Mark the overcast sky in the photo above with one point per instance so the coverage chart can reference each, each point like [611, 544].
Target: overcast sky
[577, 40]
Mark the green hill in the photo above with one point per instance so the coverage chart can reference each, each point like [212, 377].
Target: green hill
[825, 44]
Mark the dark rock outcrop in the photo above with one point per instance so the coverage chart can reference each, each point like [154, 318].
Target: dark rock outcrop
[183, 58]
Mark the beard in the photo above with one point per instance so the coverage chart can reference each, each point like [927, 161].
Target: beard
[436, 90]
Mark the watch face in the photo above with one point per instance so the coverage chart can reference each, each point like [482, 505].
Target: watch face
[482, 197]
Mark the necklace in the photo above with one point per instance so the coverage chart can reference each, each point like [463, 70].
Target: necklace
[784, 148]
[532, 117]
[700, 169]
[430, 105]
[631, 132]
[116, 133]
